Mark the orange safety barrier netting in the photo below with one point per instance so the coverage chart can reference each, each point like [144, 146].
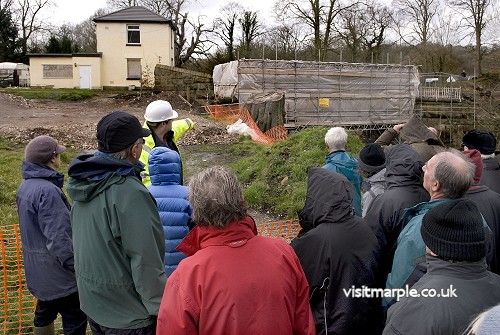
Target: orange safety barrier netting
[230, 113]
[17, 304]
[286, 230]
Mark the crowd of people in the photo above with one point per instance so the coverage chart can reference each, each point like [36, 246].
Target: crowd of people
[399, 240]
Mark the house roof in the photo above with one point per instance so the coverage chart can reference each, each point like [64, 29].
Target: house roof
[134, 14]
[97, 54]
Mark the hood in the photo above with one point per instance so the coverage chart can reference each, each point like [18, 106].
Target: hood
[92, 174]
[328, 200]
[33, 170]
[404, 166]
[235, 234]
[415, 131]
[164, 167]
[377, 178]
[342, 159]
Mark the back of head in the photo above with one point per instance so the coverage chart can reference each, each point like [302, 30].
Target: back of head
[42, 149]
[483, 141]
[216, 197]
[453, 230]
[486, 323]
[159, 111]
[118, 131]
[454, 173]
[371, 158]
[328, 199]
[336, 138]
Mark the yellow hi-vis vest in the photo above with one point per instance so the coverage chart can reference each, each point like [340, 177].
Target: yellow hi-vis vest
[180, 127]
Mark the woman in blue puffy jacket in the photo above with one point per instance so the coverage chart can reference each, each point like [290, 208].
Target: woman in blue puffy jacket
[172, 199]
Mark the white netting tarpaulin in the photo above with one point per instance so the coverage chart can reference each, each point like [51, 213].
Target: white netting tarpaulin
[320, 93]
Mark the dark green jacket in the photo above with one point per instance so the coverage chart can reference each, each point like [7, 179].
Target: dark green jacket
[118, 243]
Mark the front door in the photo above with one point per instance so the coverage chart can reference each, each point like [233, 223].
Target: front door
[85, 77]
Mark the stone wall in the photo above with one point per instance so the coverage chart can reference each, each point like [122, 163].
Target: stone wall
[191, 85]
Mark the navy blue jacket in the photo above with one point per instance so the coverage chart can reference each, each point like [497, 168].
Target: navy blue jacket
[172, 199]
[45, 227]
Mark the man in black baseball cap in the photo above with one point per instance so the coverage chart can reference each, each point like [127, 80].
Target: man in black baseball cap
[486, 143]
[118, 238]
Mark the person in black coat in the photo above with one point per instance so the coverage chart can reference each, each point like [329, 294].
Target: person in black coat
[337, 252]
[403, 190]
[488, 203]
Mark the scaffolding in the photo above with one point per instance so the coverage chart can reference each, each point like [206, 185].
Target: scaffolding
[370, 96]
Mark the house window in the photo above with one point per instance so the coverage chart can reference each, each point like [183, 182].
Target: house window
[57, 71]
[133, 34]
[134, 69]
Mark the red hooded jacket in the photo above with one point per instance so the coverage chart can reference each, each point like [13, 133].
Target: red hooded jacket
[235, 282]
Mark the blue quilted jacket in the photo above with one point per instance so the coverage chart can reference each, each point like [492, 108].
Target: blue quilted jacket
[172, 200]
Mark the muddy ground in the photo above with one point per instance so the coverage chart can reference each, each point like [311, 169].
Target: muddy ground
[74, 124]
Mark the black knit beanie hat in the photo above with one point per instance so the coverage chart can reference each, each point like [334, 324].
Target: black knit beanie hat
[454, 230]
[483, 141]
[372, 158]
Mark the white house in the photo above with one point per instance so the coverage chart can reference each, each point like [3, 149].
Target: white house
[130, 42]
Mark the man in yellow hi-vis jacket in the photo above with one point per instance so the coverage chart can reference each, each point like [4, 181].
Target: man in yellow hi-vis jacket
[165, 131]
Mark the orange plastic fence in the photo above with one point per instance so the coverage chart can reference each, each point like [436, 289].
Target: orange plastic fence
[17, 304]
[230, 113]
[286, 230]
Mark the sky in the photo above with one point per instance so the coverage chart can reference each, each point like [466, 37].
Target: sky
[76, 11]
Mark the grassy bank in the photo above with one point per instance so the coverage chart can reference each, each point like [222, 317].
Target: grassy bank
[275, 177]
[61, 94]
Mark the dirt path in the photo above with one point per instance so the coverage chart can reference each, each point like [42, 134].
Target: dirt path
[74, 123]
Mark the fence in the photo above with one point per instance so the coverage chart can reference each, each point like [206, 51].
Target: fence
[232, 112]
[17, 304]
[441, 93]
[325, 93]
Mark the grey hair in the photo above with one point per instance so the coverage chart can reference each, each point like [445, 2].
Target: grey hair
[454, 172]
[336, 138]
[125, 153]
[216, 197]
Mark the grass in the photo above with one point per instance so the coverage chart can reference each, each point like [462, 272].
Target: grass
[275, 178]
[61, 94]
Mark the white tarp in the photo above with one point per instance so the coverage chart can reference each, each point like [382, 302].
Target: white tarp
[318, 93]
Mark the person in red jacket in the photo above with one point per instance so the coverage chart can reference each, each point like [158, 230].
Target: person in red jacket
[233, 281]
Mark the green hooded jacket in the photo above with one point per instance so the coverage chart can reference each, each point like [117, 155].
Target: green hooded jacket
[118, 244]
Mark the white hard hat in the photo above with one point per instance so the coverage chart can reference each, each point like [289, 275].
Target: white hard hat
[159, 111]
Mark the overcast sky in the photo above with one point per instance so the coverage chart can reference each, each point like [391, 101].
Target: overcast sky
[75, 11]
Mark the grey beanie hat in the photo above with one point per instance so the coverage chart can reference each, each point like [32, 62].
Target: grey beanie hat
[41, 149]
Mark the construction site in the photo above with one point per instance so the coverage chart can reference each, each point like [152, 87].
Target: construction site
[273, 97]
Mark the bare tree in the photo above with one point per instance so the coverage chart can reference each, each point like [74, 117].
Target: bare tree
[376, 21]
[250, 30]
[225, 26]
[288, 38]
[122, 3]
[27, 17]
[319, 15]
[475, 14]
[363, 29]
[417, 16]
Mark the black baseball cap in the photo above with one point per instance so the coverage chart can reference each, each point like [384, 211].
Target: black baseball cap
[119, 130]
